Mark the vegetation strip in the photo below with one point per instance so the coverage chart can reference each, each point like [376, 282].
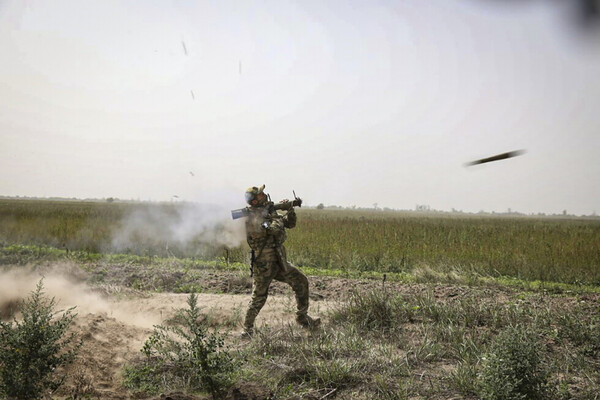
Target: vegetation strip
[530, 248]
[25, 254]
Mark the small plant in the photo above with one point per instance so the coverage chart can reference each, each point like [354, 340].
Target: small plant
[583, 331]
[388, 389]
[374, 311]
[463, 378]
[34, 347]
[183, 356]
[83, 385]
[514, 369]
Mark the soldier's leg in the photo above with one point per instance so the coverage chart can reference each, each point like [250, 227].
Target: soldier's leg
[299, 283]
[263, 275]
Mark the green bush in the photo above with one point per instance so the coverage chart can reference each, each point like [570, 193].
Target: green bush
[183, 356]
[514, 367]
[34, 347]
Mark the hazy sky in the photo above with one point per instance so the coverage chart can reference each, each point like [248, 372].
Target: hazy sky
[346, 102]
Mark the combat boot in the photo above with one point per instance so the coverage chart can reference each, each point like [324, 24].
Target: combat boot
[247, 333]
[308, 322]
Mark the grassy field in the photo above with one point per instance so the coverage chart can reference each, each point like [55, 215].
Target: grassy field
[547, 249]
[474, 307]
[560, 250]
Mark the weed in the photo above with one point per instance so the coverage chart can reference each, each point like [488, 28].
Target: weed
[32, 349]
[374, 311]
[83, 386]
[464, 378]
[582, 331]
[514, 367]
[388, 389]
[183, 356]
[235, 319]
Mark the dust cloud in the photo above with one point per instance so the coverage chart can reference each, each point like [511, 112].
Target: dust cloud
[65, 283]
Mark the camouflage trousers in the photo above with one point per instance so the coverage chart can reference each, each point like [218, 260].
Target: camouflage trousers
[264, 273]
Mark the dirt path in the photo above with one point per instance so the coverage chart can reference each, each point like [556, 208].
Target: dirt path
[114, 325]
[115, 335]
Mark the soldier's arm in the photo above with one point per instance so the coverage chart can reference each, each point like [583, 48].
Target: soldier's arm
[289, 220]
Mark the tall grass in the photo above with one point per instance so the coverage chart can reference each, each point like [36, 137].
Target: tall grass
[93, 226]
[546, 249]
[66, 224]
[563, 250]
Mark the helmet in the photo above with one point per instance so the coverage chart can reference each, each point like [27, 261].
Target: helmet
[253, 195]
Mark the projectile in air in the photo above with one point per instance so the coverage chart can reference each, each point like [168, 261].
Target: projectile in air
[497, 157]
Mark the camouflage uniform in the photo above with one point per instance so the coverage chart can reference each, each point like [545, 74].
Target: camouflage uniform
[265, 232]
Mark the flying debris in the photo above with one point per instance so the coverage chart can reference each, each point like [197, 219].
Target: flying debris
[497, 157]
[192, 174]
[184, 48]
[193, 97]
[175, 196]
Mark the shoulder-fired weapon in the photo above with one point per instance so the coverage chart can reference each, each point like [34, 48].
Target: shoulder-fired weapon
[284, 206]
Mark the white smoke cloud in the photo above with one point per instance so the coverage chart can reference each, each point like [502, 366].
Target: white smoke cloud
[178, 225]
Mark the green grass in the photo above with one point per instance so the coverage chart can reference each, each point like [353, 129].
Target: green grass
[181, 275]
[351, 243]
[400, 346]
[560, 250]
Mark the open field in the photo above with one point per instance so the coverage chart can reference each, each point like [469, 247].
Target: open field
[548, 249]
[461, 293]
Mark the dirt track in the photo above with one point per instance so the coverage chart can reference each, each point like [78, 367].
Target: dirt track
[114, 336]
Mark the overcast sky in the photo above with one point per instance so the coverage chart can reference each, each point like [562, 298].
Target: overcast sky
[345, 102]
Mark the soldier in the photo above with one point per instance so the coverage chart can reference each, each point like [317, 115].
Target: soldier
[265, 232]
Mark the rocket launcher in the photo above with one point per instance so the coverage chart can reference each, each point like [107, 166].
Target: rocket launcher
[284, 206]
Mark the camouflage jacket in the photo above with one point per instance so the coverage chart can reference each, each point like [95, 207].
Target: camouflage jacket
[265, 228]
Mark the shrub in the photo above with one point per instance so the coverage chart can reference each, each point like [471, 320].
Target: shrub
[32, 349]
[374, 311]
[288, 359]
[514, 369]
[183, 356]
